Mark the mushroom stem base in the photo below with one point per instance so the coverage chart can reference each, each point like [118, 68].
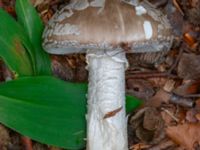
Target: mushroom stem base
[106, 118]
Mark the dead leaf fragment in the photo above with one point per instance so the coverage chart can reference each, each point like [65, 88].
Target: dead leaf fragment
[148, 125]
[186, 135]
[188, 67]
[4, 137]
[140, 88]
[112, 113]
[139, 146]
[160, 97]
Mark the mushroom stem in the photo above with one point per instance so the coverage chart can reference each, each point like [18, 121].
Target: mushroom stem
[106, 118]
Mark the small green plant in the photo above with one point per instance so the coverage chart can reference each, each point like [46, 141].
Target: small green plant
[35, 103]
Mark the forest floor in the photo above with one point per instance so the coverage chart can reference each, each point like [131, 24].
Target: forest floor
[168, 84]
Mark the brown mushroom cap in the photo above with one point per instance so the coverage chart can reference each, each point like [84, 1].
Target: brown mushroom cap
[115, 26]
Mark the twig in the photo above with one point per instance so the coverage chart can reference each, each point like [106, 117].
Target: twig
[143, 75]
[170, 114]
[191, 95]
[178, 7]
[162, 146]
[176, 61]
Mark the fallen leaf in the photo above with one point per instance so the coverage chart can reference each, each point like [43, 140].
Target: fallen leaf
[4, 137]
[186, 135]
[139, 146]
[188, 87]
[188, 67]
[160, 97]
[148, 125]
[163, 145]
[191, 116]
[140, 88]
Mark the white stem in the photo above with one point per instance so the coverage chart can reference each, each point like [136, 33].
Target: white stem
[106, 118]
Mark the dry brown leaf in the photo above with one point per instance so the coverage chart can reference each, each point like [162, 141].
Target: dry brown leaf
[169, 116]
[188, 67]
[186, 135]
[140, 88]
[148, 125]
[188, 87]
[139, 146]
[163, 145]
[4, 137]
[158, 81]
[191, 115]
[160, 97]
[61, 69]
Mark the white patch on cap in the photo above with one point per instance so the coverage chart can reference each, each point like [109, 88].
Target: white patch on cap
[148, 30]
[140, 10]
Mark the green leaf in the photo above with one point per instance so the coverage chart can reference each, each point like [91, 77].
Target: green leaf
[132, 103]
[28, 17]
[46, 109]
[12, 50]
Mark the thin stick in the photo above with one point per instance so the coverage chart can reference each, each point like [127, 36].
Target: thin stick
[178, 7]
[170, 114]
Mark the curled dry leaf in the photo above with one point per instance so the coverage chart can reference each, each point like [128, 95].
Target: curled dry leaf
[148, 125]
[186, 135]
[188, 67]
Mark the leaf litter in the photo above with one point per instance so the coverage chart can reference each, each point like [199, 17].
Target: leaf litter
[163, 122]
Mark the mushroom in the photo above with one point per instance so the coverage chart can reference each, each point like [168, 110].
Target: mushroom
[106, 32]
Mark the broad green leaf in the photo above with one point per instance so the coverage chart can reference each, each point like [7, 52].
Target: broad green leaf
[132, 103]
[12, 50]
[28, 17]
[46, 109]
